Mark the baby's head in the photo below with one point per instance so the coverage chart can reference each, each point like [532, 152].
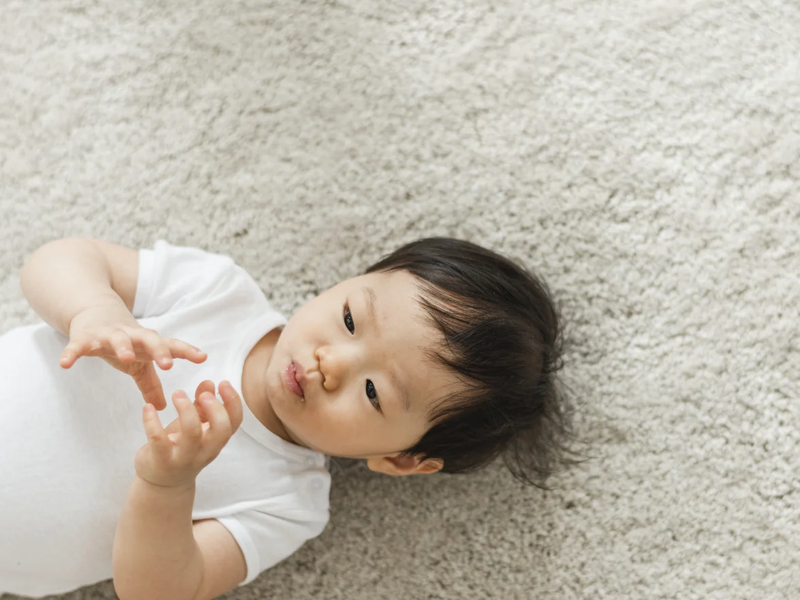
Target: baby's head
[441, 356]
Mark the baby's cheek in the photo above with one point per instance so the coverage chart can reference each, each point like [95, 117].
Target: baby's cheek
[342, 438]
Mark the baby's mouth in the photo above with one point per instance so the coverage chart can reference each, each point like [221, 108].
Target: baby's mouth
[291, 382]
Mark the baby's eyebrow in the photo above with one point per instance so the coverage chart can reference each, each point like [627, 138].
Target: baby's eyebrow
[373, 315]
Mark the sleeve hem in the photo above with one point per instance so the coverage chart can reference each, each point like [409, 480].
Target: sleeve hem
[144, 284]
[247, 546]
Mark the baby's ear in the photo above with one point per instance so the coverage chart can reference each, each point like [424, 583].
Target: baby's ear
[404, 465]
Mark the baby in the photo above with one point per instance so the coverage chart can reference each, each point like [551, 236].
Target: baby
[440, 357]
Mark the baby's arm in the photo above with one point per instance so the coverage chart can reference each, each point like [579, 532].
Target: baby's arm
[86, 289]
[154, 548]
[66, 276]
[159, 554]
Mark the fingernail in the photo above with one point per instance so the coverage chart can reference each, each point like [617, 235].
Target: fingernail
[207, 397]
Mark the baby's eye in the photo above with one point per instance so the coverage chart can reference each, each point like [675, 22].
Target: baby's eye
[372, 394]
[348, 319]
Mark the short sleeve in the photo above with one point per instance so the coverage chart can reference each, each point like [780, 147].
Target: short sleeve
[144, 284]
[266, 539]
[171, 277]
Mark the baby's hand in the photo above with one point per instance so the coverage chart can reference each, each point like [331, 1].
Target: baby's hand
[175, 456]
[116, 337]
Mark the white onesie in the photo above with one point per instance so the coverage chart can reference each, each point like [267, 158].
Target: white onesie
[68, 437]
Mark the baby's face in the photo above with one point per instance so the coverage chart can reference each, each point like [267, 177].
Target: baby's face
[367, 384]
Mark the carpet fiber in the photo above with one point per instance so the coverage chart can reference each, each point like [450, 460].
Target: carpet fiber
[642, 156]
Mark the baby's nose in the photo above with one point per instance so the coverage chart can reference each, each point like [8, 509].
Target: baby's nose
[334, 366]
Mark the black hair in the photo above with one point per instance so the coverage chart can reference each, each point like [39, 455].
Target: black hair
[502, 337]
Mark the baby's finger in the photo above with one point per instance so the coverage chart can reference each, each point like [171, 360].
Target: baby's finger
[75, 349]
[203, 413]
[120, 342]
[173, 430]
[155, 432]
[233, 403]
[149, 385]
[68, 356]
[181, 349]
[156, 347]
[205, 386]
[191, 426]
[220, 428]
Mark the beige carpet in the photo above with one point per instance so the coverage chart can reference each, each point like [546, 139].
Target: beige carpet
[644, 156]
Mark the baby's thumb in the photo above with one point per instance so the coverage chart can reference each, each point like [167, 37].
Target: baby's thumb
[149, 385]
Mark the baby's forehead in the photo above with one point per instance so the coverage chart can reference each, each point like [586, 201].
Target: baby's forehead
[395, 301]
[411, 342]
